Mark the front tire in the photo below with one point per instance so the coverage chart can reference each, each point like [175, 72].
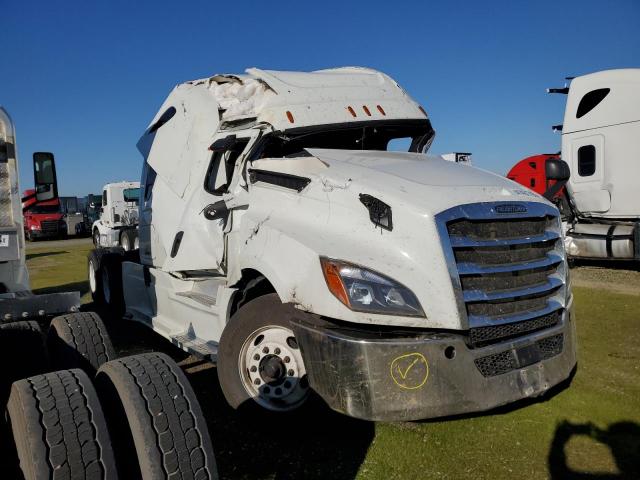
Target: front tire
[259, 360]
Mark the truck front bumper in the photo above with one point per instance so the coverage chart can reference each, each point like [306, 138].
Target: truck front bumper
[391, 377]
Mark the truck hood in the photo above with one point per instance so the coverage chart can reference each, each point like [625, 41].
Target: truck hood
[315, 209]
[428, 183]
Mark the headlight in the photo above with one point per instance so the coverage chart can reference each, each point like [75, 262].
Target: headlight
[363, 290]
[35, 227]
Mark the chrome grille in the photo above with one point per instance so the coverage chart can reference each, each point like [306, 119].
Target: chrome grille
[49, 226]
[508, 269]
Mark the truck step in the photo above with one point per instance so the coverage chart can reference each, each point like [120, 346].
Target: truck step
[201, 298]
[196, 346]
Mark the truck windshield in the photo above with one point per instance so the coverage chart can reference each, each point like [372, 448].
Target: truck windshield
[410, 135]
[131, 195]
[44, 209]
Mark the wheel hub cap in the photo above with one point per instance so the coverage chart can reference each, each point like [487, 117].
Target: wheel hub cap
[273, 370]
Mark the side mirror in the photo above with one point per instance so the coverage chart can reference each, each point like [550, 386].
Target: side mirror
[44, 173]
[558, 171]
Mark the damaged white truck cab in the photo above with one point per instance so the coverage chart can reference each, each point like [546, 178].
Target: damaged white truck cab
[279, 236]
[118, 222]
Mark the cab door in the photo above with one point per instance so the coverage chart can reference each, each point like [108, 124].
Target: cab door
[200, 242]
[587, 161]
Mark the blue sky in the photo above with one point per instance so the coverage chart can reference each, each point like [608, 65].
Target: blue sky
[83, 78]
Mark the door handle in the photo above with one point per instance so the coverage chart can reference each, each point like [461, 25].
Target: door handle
[215, 210]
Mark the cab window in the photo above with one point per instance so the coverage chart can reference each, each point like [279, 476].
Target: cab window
[586, 160]
[222, 165]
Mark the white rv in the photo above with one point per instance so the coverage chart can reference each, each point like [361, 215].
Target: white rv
[118, 222]
[279, 237]
[601, 144]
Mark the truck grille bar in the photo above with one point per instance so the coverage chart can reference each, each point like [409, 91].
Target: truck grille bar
[508, 269]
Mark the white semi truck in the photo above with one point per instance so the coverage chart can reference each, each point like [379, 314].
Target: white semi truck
[118, 222]
[281, 239]
[601, 144]
[73, 409]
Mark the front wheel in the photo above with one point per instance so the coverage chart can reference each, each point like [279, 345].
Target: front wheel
[259, 359]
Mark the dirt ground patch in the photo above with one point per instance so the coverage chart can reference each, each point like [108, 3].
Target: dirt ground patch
[621, 278]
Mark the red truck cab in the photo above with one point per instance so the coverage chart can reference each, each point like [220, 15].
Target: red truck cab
[42, 219]
[530, 172]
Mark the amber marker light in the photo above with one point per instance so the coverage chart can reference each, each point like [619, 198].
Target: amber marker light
[351, 111]
[366, 110]
[334, 282]
[381, 110]
[290, 116]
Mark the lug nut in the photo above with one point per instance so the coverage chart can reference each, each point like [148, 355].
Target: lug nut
[277, 351]
[267, 390]
[265, 350]
[278, 391]
[253, 369]
[287, 384]
[287, 359]
[257, 381]
[291, 372]
[256, 357]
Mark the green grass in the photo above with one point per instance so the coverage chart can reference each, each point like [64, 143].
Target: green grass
[602, 406]
[60, 269]
[592, 427]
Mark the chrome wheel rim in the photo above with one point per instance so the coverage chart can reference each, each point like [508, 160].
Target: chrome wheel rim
[272, 369]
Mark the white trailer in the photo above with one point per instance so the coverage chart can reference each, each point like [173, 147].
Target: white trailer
[281, 239]
[601, 144]
[118, 222]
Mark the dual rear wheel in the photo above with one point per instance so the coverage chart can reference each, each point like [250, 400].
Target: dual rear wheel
[139, 419]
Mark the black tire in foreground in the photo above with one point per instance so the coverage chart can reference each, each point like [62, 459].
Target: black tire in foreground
[79, 340]
[154, 415]
[22, 354]
[59, 429]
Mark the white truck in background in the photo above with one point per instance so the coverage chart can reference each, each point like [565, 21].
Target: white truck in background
[600, 204]
[279, 237]
[601, 144]
[118, 222]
